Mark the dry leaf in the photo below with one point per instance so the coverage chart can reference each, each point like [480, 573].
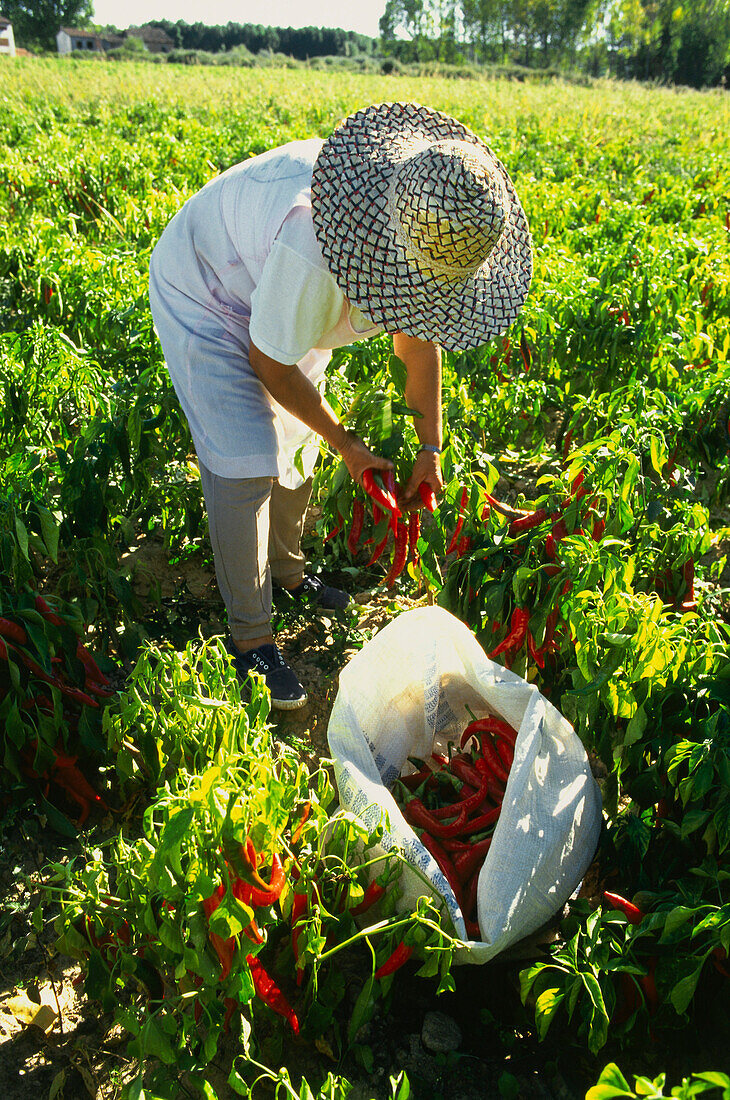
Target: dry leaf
[324, 1048]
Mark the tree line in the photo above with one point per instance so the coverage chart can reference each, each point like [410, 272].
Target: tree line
[298, 42]
[687, 43]
[663, 40]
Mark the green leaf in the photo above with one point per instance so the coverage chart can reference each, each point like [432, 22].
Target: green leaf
[675, 919]
[611, 1083]
[683, 992]
[135, 1090]
[657, 453]
[50, 532]
[546, 1006]
[22, 536]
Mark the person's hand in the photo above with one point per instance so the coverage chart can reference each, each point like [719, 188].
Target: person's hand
[427, 467]
[358, 458]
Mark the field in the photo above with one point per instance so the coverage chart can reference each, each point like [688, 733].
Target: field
[179, 886]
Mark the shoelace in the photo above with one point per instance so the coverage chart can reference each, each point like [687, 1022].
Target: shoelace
[264, 665]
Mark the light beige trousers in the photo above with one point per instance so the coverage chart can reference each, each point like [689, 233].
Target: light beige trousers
[256, 531]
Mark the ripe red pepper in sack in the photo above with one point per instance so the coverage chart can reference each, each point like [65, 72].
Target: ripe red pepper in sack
[417, 814]
[268, 991]
[446, 866]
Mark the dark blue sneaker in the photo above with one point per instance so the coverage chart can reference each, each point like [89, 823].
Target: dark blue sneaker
[281, 680]
[314, 591]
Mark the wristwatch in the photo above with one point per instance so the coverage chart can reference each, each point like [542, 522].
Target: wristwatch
[430, 448]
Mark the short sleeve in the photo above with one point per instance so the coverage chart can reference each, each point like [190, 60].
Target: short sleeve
[294, 304]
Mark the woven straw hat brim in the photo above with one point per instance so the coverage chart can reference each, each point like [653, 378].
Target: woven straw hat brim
[360, 245]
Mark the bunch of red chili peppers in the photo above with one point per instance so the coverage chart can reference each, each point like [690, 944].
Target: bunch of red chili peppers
[252, 890]
[382, 493]
[454, 805]
[36, 686]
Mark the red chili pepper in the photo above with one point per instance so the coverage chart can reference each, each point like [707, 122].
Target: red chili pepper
[400, 553]
[66, 774]
[517, 633]
[648, 985]
[629, 910]
[394, 962]
[490, 724]
[377, 552]
[463, 768]
[417, 814]
[428, 496]
[306, 810]
[13, 632]
[479, 824]
[46, 611]
[469, 862]
[459, 523]
[463, 546]
[335, 530]
[526, 523]
[538, 655]
[381, 496]
[224, 948]
[688, 575]
[268, 991]
[492, 758]
[414, 530]
[598, 528]
[273, 891]
[93, 672]
[358, 518]
[372, 895]
[446, 866]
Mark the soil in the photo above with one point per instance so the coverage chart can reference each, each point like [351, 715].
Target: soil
[82, 1054]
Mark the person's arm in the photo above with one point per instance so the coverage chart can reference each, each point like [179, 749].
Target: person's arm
[295, 393]
[422, 360]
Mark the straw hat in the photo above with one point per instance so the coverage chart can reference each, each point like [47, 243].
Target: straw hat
[421, 226]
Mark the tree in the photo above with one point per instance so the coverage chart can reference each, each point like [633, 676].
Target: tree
[37, 22]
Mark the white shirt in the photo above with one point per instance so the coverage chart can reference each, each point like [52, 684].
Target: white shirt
[239, 262]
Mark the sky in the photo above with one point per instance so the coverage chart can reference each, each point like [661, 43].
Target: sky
[355, 15]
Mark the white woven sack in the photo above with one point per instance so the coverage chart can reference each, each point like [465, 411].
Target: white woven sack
[405, 694]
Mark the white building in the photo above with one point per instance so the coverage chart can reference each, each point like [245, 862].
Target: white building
[71, 40]
[7, 41]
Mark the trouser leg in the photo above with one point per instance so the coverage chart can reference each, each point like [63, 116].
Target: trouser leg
[286, 511]
[238, 519]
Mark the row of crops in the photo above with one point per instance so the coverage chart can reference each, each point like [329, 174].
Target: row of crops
[581, 537]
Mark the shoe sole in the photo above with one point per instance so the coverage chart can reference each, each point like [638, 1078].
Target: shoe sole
[288, 704]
